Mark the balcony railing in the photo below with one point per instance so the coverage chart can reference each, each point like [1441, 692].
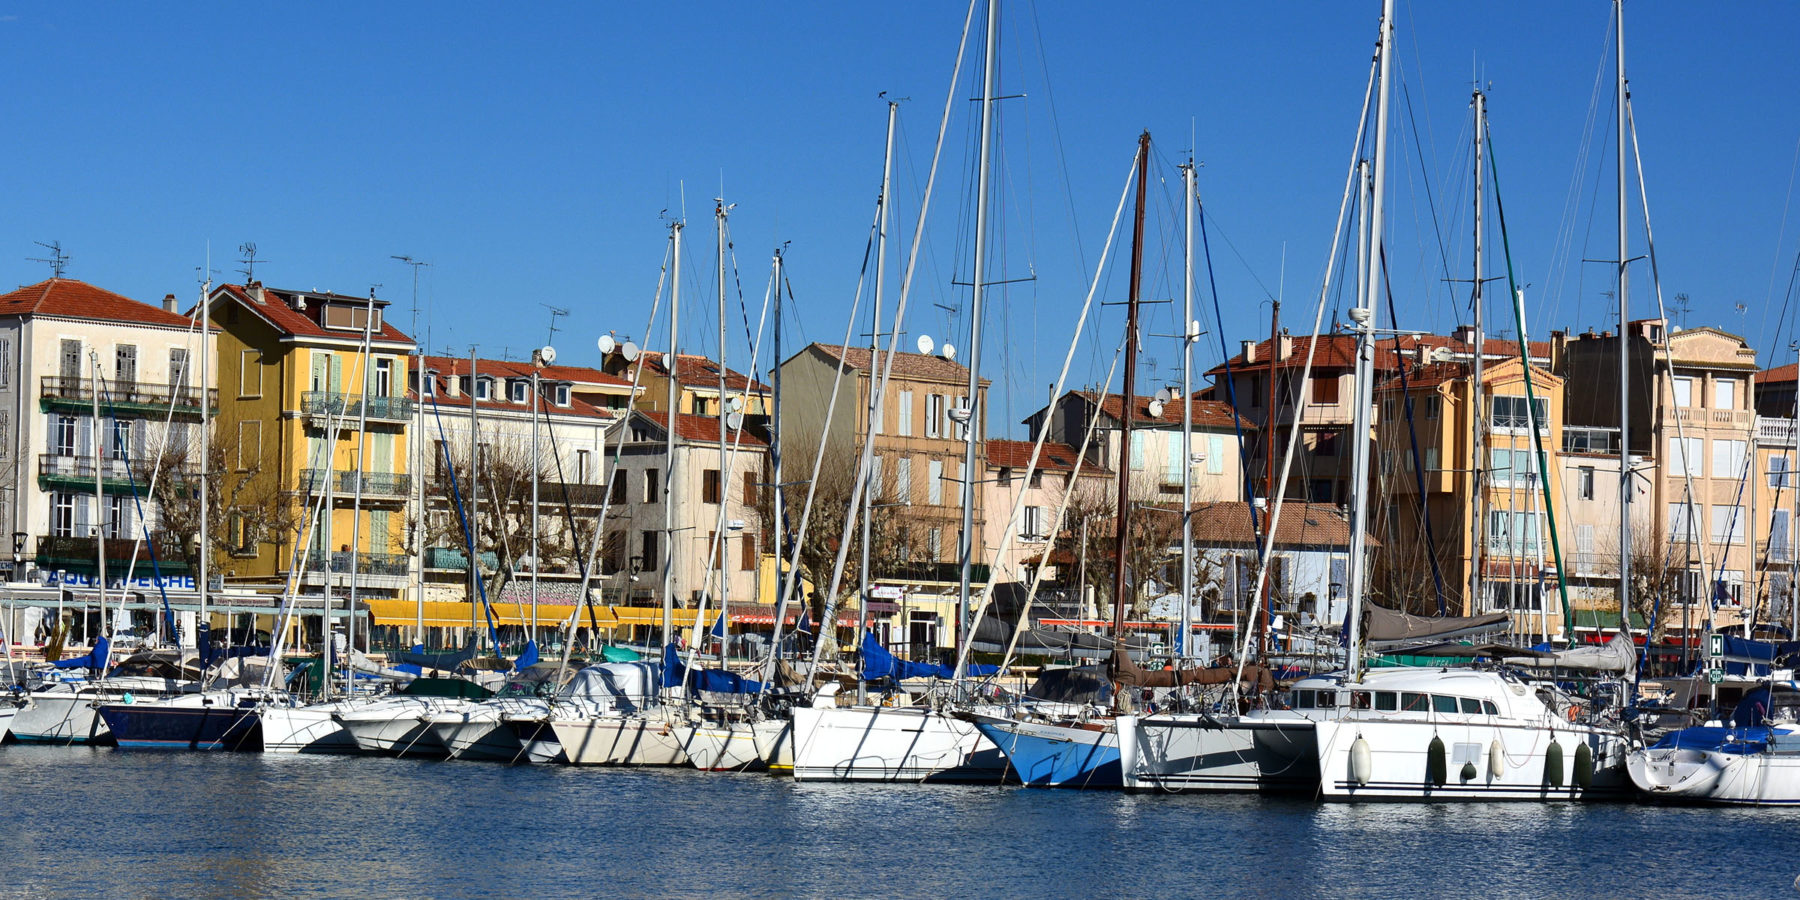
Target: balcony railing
[374, 484]
[57, 552]
[1735, 418]
[59, 390]
[349, 407]
[344, 562]
[77, 472]
[1775, 551]
[1771, 432]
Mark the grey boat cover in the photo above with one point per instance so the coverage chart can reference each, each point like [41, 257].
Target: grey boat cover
[1079, 684]
[1390, 628]
[626, 686]
[1616, 655]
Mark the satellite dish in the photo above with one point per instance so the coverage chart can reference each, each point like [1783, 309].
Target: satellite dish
[607, 344]
[925, 344]
[734, 420]
[547, 355]
[1164, 395]
[734, 403]
[629, 350]
[948, 351]
[1441, 355]
[1156, 409]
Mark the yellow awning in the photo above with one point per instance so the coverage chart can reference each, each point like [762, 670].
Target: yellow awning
[457, 614]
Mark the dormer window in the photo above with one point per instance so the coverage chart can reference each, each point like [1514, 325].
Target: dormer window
[348, 317]
[520, 390]
[430, 389]
[561, 395]
[484, 388]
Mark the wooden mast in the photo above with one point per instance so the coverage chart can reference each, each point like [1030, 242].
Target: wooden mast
[1121, 536]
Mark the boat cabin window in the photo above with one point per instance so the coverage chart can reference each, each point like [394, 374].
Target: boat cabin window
[1303, 699]
[1488, 707]
[1472, 707]
[1385, 700]
[1443, 704]
[1414, 702]
[1327, 699]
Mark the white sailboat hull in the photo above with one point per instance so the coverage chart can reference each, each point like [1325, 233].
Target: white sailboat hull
[307, 729]
[729, 746]
[1712, 776]
[1398, 757]
[398, 727]
[776, 744]
[872, 743]
[61, 717]
[620, 741]
[1177, 753]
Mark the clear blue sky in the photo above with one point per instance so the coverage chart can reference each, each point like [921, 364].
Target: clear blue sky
[527, 154]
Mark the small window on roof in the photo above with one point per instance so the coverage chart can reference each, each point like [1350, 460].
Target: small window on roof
[1443, 704]
[1384, 700]
[484, 388]
[521, 389]
[562, 395]
[1471, 706]
[1487, 706]
[1412, 702]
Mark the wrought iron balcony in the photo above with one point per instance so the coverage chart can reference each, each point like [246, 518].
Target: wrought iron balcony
[64, 552]
[375, 485]
[76, 473]
[348, 408]
[64, 392]
[344, 562]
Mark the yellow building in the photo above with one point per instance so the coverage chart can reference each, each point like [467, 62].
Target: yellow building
[304, 417]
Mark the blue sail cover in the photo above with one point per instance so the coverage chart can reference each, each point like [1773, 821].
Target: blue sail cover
[717, 681]
[210, 654]
[94, 659]
[417, 656]
[878, 663]
[527, 657]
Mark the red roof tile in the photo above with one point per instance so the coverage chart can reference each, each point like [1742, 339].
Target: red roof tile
[906, 365]
[277, 309]
[694, 370]
[448, 367]
[1054, 458]
[1207, 413]
[501, 368]
[1778, 375]
[1338, 351]
[1302, 524]
[79, 300]
[702, 429]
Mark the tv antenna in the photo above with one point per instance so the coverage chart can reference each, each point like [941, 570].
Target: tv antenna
[58, 260]
[555, 313]
[247, 254]
[1683, 305]
[416, 265]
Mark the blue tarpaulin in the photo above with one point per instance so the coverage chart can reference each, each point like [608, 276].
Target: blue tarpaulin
[527, 657]
[93, 660]
[210, 654]
[718, 681]
[878, 663]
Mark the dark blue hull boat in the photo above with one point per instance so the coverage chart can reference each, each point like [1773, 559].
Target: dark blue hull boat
[222, 724]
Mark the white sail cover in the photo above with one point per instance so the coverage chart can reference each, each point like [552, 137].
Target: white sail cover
[1616, 655]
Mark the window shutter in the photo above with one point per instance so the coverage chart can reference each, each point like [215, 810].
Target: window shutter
[337, 374]
[84, 440]
[81, 516]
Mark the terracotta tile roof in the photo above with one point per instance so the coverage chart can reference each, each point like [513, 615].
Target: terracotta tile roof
[277, 309]
[1434, 374]
[694, 370]
[906, 365]
[79, 300]
[1338, 351]
[447, 367]
[1778, 375]
[501, 368]
[1055, 457]
[1301, 525]
[703, 429]
[1207, 413]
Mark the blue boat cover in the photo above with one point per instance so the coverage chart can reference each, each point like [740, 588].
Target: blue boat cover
[94, 659]
[527, 658]
[210, 654]
[718, 681]
[878, 663]
[1744, 741]
[417, 656]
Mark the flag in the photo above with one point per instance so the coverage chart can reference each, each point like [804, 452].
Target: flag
[804, 626]
[718, 629]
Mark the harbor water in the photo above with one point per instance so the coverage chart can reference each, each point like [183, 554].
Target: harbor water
[99, 822]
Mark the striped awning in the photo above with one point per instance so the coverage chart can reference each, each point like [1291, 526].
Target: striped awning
[459, 614]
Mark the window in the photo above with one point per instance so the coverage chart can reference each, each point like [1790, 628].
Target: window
[1584, 482]
[484, 388]
[1685, 455]
[322, 363]
[649, 562]
[1037, 478]
[1433, 406]
[345, 316]
[427, 382]
[1431, 459]
[1325, 391]
[1684, 523]
[1031, 527]
[62, 515]
[1443, 704]
[934, 544]
[118, 516]
[906, 414]
[63, 438]
[878, 489]
[5, 433]
[1512, 533]
[1173, 454]
[250, 383]
[249, 448]
[1512, 413]
[69, 361]
[1386, 701]
[1137, 451]
[934, 415]
[1471, 706]
[1779, 476]
[118, 441]
[1487, 706]
[1215, 454]
[178, 366]
[561, 395]
[383, 383]
[1728, 459]
[1728, 588]
[125, 364]
[381, 452]
[1684, 392]
[1411, 702]
[1780, 550]
[584, 466]
[903, 482]
[709, 486]
[1727, 524]
[618, 487]
[752, 490]
[5, 363]
[1725, 393]
[651, 494]
[934, 482]
[747, 553]
[519, 390]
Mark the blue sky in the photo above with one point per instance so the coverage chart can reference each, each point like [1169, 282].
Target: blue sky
[529, 156]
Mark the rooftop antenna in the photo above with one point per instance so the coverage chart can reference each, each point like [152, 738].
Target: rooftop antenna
[555, 312]
[247, 250]
[1683, 305]
[416, 265]
[58, 260]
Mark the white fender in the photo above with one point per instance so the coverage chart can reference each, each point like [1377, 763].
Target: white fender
[1362, 765]
[1496, 760]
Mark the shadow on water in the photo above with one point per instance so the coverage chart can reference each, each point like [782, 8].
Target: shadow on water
[82, 822]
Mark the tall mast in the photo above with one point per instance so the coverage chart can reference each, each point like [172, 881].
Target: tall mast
[537, 359]
[972, 425]
[871, 427]
[1363, 318]
[1122, 519]
[1268, 518]
[718, 552]
[474, 498]
[1624, 352]
[777, 510]
[362, 440]
[668, 485]
[1477, 406]
[205, 449]
[1188, 337]
[100, 492]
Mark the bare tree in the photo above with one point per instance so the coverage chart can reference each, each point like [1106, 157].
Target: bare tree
[245, 507]
[1153, 529]
[893, 540]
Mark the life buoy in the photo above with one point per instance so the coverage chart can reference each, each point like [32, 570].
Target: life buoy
[1573, 712]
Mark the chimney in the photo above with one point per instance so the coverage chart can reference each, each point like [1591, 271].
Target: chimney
[1249, 352]
[169, 303]
[1464, 334]
[256, 292]
[1559, 352]
[1285, 350]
